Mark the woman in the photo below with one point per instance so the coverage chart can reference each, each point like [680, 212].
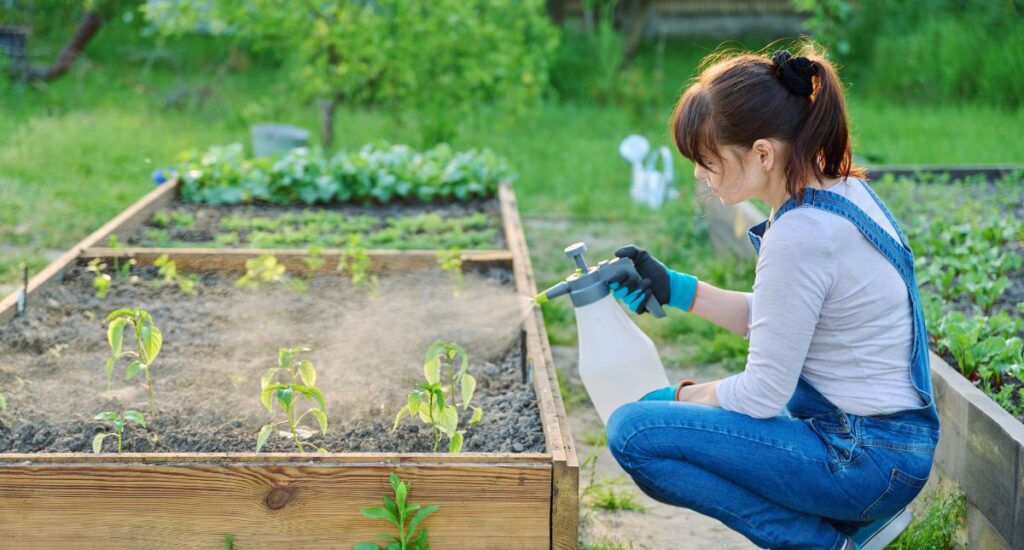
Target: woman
[829, 432]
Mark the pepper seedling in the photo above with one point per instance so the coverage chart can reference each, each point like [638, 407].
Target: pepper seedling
[118, 420]
[100, 280]
[451, 260]
[356, 262]
[301, 381]
[262, 270]
[148, 341]
[404, 515]
[431, 404]
[168, 273]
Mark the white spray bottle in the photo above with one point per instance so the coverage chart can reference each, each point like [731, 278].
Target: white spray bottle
[618, 362]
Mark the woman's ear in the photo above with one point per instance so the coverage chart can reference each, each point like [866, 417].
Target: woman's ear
[766, 154]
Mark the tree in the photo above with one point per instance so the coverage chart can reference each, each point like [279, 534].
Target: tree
[438, 58]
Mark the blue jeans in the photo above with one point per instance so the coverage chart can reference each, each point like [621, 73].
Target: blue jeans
[804, 480]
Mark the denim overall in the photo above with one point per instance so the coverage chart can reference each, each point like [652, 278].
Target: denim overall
[906, 434]
[803, 480]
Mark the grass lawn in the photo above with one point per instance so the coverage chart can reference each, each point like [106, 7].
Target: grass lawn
[75, 152]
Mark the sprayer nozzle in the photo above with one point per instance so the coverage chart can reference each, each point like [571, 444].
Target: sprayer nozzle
[541, 299]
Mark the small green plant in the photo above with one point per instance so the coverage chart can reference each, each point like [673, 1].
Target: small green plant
[162, 218]
[300, 376]
[404, 515]
[229, 541]
[182, 219]
[122, 269]
[100, 280]
[595, 438]
[260, 271]
[431, 404]
[451, 261]
[148, 341]
[119, 421]
[356, 262]
[168, 273]
[937, 528]
[606, 494]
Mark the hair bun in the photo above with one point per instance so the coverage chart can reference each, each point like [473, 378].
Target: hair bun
[796, 72]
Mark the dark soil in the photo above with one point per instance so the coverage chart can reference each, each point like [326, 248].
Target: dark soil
[206, 225]
[368, 353]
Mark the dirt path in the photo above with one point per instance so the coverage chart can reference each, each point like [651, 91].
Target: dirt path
[660, 526]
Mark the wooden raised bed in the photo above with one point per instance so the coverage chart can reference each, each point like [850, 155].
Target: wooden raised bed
[192, 500]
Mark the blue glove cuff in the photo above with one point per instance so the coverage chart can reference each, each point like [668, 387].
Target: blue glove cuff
[683, 290]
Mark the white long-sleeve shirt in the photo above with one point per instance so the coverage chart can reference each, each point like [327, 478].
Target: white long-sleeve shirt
[826, 305]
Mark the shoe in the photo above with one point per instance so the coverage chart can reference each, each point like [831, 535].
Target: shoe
[882, 531]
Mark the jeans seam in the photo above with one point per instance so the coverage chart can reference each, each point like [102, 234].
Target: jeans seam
[640, 429]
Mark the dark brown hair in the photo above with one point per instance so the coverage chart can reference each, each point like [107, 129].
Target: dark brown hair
[740, 97]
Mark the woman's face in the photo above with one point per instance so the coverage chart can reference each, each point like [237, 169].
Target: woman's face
[737, 175]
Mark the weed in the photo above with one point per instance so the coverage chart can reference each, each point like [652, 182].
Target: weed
[260, 271]
[119, 421]
[595, 438]
[937, 528]
[301, 381]
[573, 394]
[404, 515]
[148, 341]
[430, 403]
[606, 494]
[355, 260]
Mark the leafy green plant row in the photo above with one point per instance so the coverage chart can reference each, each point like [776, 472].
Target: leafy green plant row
[968, 240]
[382, 174]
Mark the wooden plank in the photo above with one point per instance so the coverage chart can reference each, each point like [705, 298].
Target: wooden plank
[277, 458]
[114, 505]
[565, 485]
[955, 171]
[53, 273]
[233, 260]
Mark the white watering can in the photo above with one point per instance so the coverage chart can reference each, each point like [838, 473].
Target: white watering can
[649, 185]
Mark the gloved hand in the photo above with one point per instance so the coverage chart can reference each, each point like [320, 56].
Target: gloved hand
[668, 393]
[669, 287]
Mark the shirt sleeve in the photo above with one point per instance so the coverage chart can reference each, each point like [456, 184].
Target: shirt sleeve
[794, 273]
[750, 311]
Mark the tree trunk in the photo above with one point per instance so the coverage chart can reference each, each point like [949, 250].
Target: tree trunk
[636, 20]
[327, 121]
[556, 11]
[87, 29]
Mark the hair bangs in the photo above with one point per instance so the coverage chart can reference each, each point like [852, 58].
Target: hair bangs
[692, 129]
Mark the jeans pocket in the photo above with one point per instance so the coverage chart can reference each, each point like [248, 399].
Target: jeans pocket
[901, 490]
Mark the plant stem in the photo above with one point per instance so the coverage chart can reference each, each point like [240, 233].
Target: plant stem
[433, 423]
[149, 389]
[291, 426]
[119, 441]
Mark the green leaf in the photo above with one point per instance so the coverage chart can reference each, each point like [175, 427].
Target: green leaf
[401, 493]
[267, 395]
[133, 369]
[115, 335]
[136, 417]
[398, 417]
[264, 434]
[97, 442]
[108, 416]
[321, 419]
[285, 395]
[420, 516]
[119, 313]
[267, 377]
[284, 357]
[110, 369]
[366, 546]
[432, 370]
[307, 373]
[455, 443]
[377, 512]
[448, 420]
[313, 393]
[468, 388]
[152, 341]
[478, 413]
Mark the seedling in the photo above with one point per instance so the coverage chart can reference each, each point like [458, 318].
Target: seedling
[606, 494]
[430, 401]
[100, 280]
[260, 271]
[451, 261]
[122, 269]
[404, 515]
[168, 272]
[356, 262]
[162, 218]
[148, 341]
[119, 420]
[301, 381]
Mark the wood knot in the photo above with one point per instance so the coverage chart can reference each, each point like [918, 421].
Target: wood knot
[278, 497]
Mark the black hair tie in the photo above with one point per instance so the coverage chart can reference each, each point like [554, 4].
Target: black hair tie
[796, 72]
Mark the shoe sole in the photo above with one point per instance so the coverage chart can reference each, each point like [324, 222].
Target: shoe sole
[888, 533]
